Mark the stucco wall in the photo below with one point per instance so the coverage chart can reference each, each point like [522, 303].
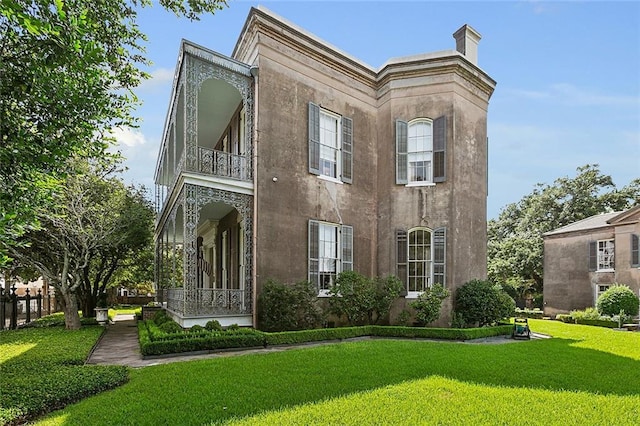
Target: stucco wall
[568, 283]
[293, 71]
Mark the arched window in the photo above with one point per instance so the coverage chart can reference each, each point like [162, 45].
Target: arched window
[421, 258]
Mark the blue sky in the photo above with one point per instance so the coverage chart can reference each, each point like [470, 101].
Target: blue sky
[568, 76]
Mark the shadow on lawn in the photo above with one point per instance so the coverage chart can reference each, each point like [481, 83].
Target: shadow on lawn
[215, 390]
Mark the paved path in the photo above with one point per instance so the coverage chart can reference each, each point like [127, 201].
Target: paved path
[119, 346]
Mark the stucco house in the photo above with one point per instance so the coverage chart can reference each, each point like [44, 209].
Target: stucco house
[583, 259]
[292, 160]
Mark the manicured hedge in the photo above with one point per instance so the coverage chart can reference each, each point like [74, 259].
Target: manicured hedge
[155, 342]
[315, 335]
[42, 369]
[597, 323]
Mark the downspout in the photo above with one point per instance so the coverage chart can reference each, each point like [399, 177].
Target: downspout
[254, 165]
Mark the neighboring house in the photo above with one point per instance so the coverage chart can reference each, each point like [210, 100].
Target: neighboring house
[294, 161]
[583, 259]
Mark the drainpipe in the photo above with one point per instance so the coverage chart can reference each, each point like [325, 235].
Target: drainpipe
[254, 165]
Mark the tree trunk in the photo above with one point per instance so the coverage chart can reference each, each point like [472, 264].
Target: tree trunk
[88, 306]
[70, 308]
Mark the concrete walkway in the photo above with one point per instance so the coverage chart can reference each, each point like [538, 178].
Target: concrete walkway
[119, 346]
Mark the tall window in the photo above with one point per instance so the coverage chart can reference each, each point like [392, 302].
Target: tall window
[420, 151]
[421, 146]
[606, 255]
[330, 144]
[330, 252]
[421, 258]
[635, 250]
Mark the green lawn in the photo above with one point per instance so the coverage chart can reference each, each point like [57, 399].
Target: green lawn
[586, 375]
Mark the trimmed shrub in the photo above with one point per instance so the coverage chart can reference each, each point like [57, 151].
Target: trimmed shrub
[213, 325]
[196, 329]
[362, 300]
[161, 317]
[289, 307]
[530, 313]
[481, 303]
[428, 304]
[170, 326]
[587, 314]
[618, 298]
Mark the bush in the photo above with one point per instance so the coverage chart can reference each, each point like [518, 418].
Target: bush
[161, 317]
[587, 314]
[428, 304]
[196, 329]
[213, 325]
[530, 313]
[481, 303]
[170, 326]
[289, 307]
[616, 299]
[362, 300]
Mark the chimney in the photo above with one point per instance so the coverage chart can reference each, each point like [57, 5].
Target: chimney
[467, 40]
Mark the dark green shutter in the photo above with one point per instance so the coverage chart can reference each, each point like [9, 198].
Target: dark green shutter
[593, 255]
[635, 250]
[439, 149]
[314, 253]
[347, 150]
[439, 256]
[401, 256]
[402, 146]
[314, 138]
[347, 248]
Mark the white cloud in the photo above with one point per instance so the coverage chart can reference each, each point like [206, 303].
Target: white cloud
[127, 137]
[568, 94]
[160, 78]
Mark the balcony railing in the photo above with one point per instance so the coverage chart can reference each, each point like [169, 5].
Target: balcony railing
[223, 164]
[207, 301]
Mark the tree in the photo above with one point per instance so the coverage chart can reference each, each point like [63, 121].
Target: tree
[127, 236]
[68, 69]
[94, 224]
[515, 242]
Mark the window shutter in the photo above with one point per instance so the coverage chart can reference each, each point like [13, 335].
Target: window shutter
[347, 150]
[347, 248]
[439, 149]
[314, 252]
[402, 143]
[314, 138]
[593, 256]
[635, 250]
[401, 256]
[439, 256]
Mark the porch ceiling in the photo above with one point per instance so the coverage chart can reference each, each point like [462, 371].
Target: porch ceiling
[217, 102]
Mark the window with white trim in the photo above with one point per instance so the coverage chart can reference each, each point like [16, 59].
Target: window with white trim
[635, 250]
[606, 260]
[421, 256]
[421, 151]
[330, 252]
[330, 144]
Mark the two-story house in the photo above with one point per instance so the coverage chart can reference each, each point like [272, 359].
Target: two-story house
[292, 160]
[583, 259]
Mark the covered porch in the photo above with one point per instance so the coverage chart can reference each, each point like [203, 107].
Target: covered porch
[204, 192]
